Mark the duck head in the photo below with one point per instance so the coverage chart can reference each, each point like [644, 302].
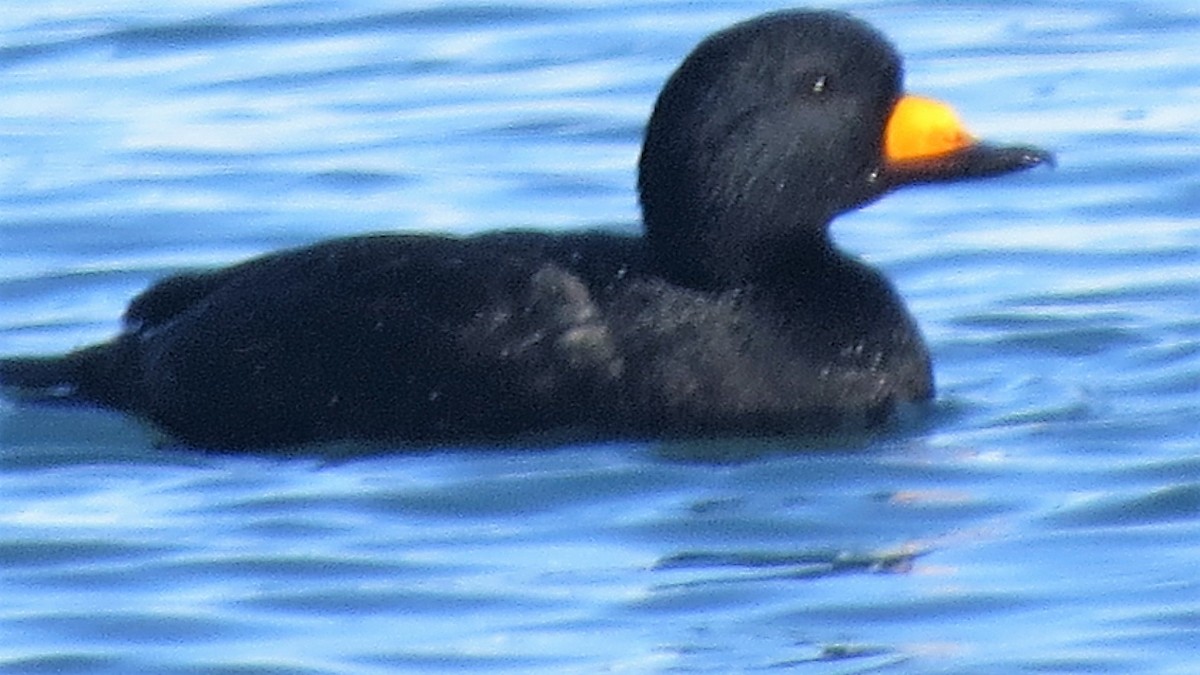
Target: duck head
[771, 128]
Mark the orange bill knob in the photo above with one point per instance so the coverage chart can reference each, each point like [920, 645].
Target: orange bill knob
[922, 127]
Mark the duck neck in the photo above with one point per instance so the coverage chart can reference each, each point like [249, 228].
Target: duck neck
[840, 308]
[771, 264]
[803, 276]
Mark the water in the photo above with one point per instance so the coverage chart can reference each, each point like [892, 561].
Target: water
[1046, 519]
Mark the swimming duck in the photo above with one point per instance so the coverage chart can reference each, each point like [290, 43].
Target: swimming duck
[733, 314]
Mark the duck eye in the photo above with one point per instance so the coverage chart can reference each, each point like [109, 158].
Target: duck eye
[812, 84]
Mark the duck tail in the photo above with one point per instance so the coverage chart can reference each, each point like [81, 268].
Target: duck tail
[67, 378]
[42, 377]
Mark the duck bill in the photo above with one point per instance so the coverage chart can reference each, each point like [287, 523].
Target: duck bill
[926, 143]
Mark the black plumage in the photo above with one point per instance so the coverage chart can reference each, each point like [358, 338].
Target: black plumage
[734, 314]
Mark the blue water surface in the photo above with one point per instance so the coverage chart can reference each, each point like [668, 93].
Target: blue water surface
[1047, 519]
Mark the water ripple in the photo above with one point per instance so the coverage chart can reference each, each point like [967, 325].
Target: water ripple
[1041, 518]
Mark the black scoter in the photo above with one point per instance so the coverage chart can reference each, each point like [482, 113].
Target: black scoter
[733, 314]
